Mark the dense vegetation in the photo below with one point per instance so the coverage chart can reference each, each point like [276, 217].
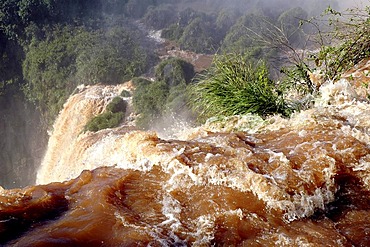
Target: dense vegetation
[112, 116]
[166, 95]
[351, 31]
[71, 56]
[48, 47]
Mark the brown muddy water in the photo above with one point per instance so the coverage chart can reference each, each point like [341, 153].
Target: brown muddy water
[240, 181]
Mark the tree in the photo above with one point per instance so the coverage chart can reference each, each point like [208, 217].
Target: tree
[248, 34]
[159, 17]
[110, 57]
[10, 22]
[11, 55]
[137, 9]
[149, 101]
[75, 11]
[225, 20]
[199, 36]
[70, 56]
[175, 71]
[48, 68]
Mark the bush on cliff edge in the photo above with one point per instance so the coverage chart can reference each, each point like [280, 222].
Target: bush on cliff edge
[110, 118]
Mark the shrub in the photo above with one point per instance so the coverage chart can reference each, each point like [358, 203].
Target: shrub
[234, 86]
[160, 16]
[350, 41]
[110, 57]
[140, 81]
[199, 36]
[125, 93]
[153, 100]
[104, 120]
[149, 101]
[117, 105]
[110, 118]
[177, 99]
[174, 71]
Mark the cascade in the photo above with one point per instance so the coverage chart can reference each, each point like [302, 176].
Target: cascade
[242, 181]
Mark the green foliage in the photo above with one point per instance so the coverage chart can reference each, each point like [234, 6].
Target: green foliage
[10, 68]
[74, 11]
[149, 101]
[173, 32]
[16, 15]
[140, 81]
[266, 38]
[350, 41]
[196, 31]
[225, 20]
[137, 9]
[244, 34]
[125, 93]
[117, 105]
[159, 17]
[187, 15]
[234, 86]
[104, 121]
[152, 100]
[110, 57]
[110, 118]
[59, 42]
[155, 100]
[199, 36]
[48, 68]
[174, 71]
[297, 78]
[177, 99]
[71, 56]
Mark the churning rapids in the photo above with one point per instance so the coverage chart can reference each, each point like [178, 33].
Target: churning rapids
[303, 181]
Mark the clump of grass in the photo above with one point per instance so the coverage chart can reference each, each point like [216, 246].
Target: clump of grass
[110, 118]
[235, 86]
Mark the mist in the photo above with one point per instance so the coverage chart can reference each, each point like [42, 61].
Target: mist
[22, 142]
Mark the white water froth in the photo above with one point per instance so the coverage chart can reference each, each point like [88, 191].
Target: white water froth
[71, 152]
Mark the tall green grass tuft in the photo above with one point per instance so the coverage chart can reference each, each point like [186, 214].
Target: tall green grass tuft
[235, 86]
